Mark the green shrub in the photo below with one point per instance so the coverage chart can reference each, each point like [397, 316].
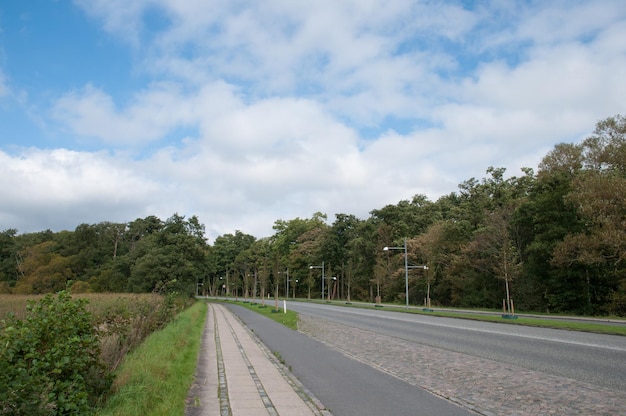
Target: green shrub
[50, 360]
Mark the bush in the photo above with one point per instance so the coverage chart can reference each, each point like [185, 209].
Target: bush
[50, 360]
[124, 322]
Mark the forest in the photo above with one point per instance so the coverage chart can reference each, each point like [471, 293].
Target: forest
[550, 241]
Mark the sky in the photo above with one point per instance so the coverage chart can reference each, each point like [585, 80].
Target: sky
[245, 112]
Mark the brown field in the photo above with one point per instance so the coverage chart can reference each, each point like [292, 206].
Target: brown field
[123, 320]
[99, 303]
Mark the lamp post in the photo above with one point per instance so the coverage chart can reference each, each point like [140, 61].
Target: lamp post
[320, 267]
[286, 272]
[406, 270]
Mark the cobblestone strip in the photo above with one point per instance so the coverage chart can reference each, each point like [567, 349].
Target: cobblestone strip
[484, 386]
[269, 406]
[202, 399]
[305, 394]
[221, 372]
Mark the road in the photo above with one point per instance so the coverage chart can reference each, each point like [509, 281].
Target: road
[345, 386]
[595, 320]
[592, 358]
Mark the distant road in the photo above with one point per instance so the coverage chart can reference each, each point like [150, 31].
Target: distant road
[592, 358]
[601, 321]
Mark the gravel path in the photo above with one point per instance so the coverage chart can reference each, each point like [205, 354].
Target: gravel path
[485, 386]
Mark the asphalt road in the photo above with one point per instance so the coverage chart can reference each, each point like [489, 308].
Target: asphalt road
[345, 386]
[592, 358]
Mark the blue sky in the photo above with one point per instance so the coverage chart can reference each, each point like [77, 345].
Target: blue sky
[247, 112]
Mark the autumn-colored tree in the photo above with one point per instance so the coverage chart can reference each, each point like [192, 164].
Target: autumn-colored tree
[43, 270]
[598, 194]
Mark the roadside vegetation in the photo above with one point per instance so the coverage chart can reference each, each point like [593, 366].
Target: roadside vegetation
[269, 309]
[291, 318]
[155, 378]
[60, 353]
[547, 322]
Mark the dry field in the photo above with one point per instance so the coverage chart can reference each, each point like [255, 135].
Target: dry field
[99, 303]
[123, 320]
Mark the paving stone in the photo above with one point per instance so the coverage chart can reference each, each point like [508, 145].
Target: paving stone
[484, 386]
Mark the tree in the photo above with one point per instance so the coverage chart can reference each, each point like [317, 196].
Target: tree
[598, 190]
[407, 218]
[387, 274]
[43, 270]
[170, 260]
[343, 230]
[438, 248]
[226, 248]
[8, 260]
[294, 249]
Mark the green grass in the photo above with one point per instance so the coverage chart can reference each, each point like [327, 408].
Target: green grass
[607, 329]
[583, 326]
[154, 379]
[289, 319]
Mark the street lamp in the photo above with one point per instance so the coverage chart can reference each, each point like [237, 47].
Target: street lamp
[406, 270]
[320, 267]
[427, 306]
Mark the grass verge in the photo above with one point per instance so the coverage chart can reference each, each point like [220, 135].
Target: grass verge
[583, 326]
[289, 319]
[154, 378]
[606, 329]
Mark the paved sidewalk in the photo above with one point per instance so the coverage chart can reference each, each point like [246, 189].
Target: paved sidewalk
[237, 375]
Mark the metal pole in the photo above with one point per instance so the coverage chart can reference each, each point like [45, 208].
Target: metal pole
[323, 280]
[406, 275]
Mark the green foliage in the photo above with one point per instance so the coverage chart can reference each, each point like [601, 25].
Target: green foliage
[556, 239]
[50, 361]
[155, 378]
[8, 256]
[289, 319]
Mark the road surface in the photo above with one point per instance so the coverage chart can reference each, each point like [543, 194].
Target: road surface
[345, 386]
[591, 358]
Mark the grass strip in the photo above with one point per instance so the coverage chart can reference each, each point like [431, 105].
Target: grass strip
[595, 328]
[289, 319]
[154, 379]
[582, 326]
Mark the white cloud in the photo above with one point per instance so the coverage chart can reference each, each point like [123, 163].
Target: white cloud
[278, 100]
[61, 188]
[118, 17]
[153, 112]
[368, 52]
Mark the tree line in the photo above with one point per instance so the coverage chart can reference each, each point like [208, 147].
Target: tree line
[553, 240]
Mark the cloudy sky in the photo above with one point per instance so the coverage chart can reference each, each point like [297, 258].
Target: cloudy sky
[243, 112]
